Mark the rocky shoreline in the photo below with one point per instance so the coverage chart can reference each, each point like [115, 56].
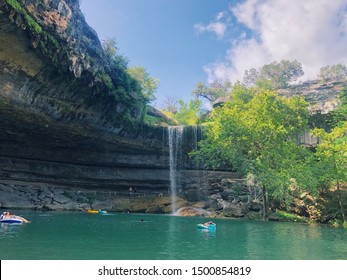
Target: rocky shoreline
[14, 195]
[42, 197]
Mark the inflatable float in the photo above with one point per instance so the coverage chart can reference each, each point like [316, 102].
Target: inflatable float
[8, 218]
[91, 211]
[11, 221]
[211, 227]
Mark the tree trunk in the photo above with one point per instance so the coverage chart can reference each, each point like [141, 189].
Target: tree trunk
[340, 201]
[265, 203]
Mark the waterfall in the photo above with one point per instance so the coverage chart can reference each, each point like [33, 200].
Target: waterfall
[175, 147]
[182, 140]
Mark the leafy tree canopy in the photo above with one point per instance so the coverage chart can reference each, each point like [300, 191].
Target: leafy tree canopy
[216, 90]
[257, 133]
[148, 84]
[332, 159]
[187, 113]
[274, 75]
[337, 72]
[339, 116]
[332, 152]
[112, 54]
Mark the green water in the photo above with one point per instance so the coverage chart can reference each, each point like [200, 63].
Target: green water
[81, 236]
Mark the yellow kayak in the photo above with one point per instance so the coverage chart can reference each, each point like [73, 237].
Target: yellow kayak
[91, 211]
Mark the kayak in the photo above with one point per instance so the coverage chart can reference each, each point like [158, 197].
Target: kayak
[209, 227]
[91, 211]
[12, 220]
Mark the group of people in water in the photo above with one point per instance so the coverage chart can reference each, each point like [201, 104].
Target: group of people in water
[7, 215]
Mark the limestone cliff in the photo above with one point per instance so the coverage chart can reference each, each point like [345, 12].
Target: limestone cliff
[66, 116]
[322, 96]
[52, 61]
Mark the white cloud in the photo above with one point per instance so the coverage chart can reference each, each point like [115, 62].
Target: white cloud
[220, 16]
[218, 26]
[246, 13]
[314, 32]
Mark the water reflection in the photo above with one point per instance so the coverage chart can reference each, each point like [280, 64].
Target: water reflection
[207, 233]
[10, 230]
[170, 240]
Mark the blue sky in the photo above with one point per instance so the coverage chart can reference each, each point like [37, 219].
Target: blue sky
[182, 42]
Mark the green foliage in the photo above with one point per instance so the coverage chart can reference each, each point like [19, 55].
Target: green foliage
[33, 25]
[257, 133]
[157, 121]
[216, 90]
[332, 154]
[148, 84]
[121, 82]
[110, 48]
[48, 45]
[106, 79]
[274, 75]
[338, 223]
[338, 116]
[15, 5]
[119, 61]
[188, 113]
[332, 159]
[289, 217]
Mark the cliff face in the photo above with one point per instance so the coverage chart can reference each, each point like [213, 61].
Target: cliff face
[53, 61]
[322, 96]
[65, 116]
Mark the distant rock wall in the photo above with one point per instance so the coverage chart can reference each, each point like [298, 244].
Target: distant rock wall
[322, 96]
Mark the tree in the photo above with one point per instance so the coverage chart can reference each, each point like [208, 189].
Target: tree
[250, 77]
[148, 84]
[274, 75]
[332, 158]
[113, 56]
[339, 116]
[256, 133]
[337, 72]
[216, 90]
[170, 104]
[110, 48]
[189, 113]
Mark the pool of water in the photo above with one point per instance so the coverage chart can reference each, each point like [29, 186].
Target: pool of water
[82, 236]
